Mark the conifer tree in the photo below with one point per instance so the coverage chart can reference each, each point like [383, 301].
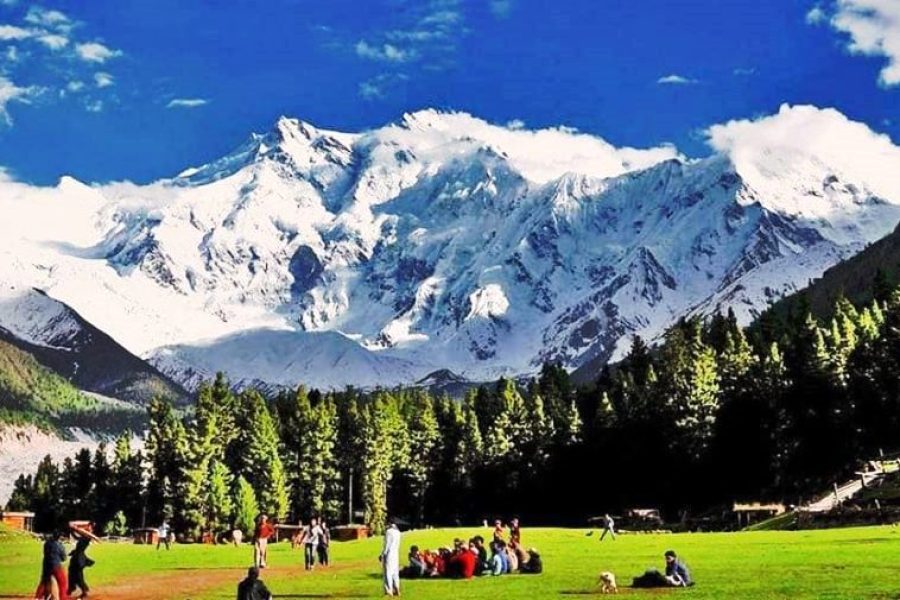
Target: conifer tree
[245, 506]
[218, 496]
[256, 456]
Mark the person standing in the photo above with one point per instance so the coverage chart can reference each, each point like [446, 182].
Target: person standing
[51, 568]
[77, 565]
[252, 588]
[609, 526]
[390, 559]
[515, 533]
[324, 543]
[312, 537]
[162, 535]
[261, 535]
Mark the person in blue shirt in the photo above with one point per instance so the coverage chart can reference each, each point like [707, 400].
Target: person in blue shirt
[677, 573]
[496, 562]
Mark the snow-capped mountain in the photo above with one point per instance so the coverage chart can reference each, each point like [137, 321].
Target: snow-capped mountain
[444, 242]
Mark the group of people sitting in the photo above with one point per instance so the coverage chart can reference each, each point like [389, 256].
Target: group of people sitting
[469, 559]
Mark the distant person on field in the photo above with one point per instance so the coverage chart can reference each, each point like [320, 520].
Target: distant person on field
[534, 565]
[496, 559]
[390, 559]
[77, 565]
[51, 569]
[261, 535]
[609, 526]
[312, 537]
[324, 544]
[498, 531]
[477, 543]
[237, 536]
[416, 567]
[677, 573]
[162, 535]
[252, 588]
[515, 533]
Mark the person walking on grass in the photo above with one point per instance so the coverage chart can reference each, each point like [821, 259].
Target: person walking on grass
[162, 535]
[312, 537]
[261, 535]
[52, 573]
[390, 559]
[77, 565]
[609, 526]
[324, 543]
[252, 588]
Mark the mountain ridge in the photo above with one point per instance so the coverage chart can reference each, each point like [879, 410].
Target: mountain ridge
[444, 242]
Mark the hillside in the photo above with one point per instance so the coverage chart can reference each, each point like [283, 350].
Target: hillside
[858, 278]
[67, 344]
[32, 394]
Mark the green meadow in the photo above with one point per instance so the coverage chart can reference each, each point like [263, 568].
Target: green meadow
[837, 563]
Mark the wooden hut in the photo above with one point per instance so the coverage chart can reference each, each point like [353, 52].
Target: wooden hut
[23, 521]
[146, 535]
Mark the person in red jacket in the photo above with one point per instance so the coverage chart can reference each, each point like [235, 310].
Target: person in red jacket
[261, 535]
[464, 562]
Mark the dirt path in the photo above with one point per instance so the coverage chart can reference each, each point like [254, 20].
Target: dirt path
[187, 583]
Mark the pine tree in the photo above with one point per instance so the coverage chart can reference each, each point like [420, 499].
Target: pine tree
[386, 441]
[22, 496]
[424, 438]
[127, 479]
[166, 447]
[117, 525]
[217, 496]
[255, 454]
[245, 506]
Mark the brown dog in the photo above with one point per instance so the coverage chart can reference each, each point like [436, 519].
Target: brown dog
[607, 583]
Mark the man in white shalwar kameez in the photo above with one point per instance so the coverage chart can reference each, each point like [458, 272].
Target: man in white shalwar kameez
[390, 560]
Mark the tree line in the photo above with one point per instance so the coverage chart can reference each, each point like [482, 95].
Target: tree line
[711, 414]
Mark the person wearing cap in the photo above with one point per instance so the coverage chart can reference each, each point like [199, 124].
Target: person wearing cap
[252, 588]
[390, 559]
[677, 573]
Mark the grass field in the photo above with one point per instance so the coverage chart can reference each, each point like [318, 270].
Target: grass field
[837, 563]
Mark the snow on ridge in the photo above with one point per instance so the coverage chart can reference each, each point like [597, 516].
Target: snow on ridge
[443, 241]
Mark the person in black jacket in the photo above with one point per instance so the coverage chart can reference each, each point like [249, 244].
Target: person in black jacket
[51, 568]
[252, 588]
[78, 563]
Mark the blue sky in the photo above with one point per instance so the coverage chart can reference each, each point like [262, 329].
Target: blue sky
[140, 89]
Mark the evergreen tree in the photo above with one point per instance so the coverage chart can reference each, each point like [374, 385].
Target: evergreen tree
[22, 496]
[117, 525]
[424, 437]
[217, 496]
[255, 454]
[245, 506]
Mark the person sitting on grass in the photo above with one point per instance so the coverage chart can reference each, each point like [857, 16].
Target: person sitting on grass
[534, 565]
[77, 565]
[677, 573]
[483, 564]
[252, 588]
[416, 567]
[463, 562]
[497, 556]
[512, 559]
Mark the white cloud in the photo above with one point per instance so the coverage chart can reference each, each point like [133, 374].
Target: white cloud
[795, 143]
[515, 124]
[10, 92]
[874, 30]
[378, 87]
[501, 8]
[745, 71]
[11, 32]
[52, 19]
[384, 52]
[75, 86]
[94, 106]
[187, 103]
[816, 15]
[12, 54]
[54, 41]
[675, 79]
[96, 52]
[103, 80]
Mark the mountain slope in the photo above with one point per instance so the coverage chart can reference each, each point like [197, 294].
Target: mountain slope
[33, 394]
[61, 340]
[855, 279]
[444, 242]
